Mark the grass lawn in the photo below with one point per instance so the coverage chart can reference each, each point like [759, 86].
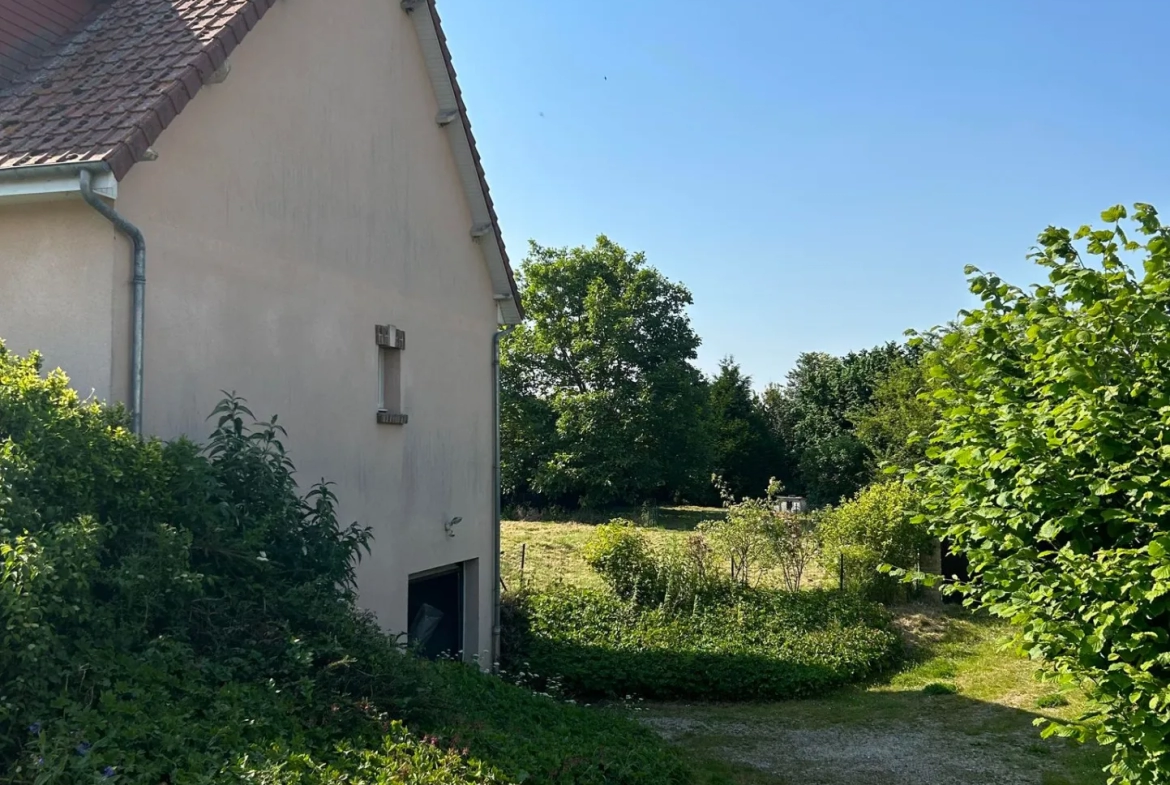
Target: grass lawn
[971, 725]
[552, 549]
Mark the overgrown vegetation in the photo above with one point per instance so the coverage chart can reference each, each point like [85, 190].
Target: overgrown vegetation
[871, 530]
[172, 613]
[755, 645]
[689, 621]
[1048, 470]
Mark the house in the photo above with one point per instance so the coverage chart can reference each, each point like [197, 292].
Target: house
[281, 198]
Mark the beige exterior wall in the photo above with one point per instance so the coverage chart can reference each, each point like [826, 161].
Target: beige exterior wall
[60, 284]
[306, 199]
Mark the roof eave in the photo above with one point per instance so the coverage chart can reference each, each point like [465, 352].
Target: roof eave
[54, 181]
[485, 226]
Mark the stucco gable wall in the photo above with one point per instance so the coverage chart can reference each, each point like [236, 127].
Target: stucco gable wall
[61, 283]
[307, 198]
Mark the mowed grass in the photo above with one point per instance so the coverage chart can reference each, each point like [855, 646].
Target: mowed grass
[962, 712]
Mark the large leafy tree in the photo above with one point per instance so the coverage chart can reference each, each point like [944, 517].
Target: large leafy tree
[897, 421]
[810, 415]
[1050, 470]
[601, 402]
[743, 451]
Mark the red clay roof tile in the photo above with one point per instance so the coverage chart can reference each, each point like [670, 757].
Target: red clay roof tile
[108, 90]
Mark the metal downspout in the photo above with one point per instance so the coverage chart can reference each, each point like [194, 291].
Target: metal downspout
[139, 303]
[496, 492]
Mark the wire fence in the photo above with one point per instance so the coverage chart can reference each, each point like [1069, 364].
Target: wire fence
[521, 575]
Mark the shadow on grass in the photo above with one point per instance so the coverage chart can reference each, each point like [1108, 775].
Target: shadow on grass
[961, 714]
[601, 673]
[964, 710]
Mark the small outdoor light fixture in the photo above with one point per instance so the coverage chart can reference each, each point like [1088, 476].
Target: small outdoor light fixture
[450, 525]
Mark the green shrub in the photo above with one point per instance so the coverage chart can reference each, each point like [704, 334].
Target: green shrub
[171, 613]
[763, 645]
[940, 688]
[869, 530]
[620, 554]
[1049, 471]
[744, 537]
[795, 545]
[675, 577]
[399, 758]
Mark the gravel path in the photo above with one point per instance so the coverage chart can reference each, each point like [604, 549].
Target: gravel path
[897, 753]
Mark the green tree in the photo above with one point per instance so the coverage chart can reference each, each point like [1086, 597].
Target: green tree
[896, 423]
[810, 417]
[743, 453]
[528, 427]
[605, 359]
[1049, 470]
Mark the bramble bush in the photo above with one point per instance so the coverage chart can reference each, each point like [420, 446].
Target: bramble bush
[176, 613]
[872, 529]
[1049, 471]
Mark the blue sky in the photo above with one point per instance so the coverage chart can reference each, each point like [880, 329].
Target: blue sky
[817, 173]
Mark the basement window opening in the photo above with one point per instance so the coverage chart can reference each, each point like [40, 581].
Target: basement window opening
[435, 613]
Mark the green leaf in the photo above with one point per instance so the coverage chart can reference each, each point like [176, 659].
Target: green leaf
[1105, 488]
[1114, 213]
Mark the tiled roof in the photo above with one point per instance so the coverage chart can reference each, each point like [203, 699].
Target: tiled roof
[30, 29]
[108, 91]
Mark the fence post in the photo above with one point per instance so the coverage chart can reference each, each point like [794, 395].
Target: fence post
[523, 557]
[841, 571]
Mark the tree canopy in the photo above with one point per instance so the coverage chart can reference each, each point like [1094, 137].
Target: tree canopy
[744, 453]
[1048, 469]
[603, 404]
[811, 415]
[896, 423]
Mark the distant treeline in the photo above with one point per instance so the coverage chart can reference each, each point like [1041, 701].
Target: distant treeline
[601, 403]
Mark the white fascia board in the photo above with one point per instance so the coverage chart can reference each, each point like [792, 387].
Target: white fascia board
[483, 229]
[36, 186]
